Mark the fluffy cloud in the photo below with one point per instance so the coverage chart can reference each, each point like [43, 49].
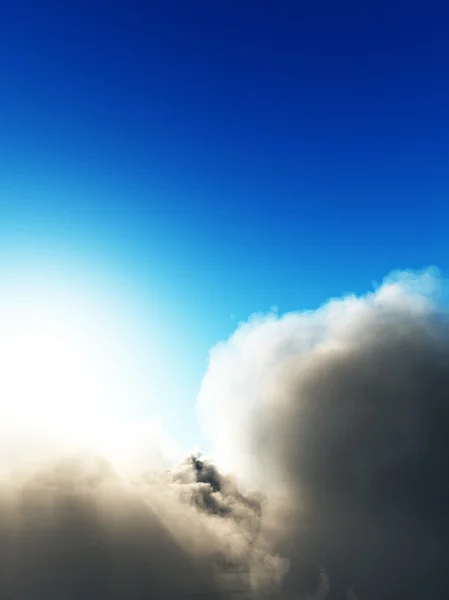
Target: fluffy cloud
[341, 416]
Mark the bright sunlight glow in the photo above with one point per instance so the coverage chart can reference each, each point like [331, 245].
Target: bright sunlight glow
[74, 368]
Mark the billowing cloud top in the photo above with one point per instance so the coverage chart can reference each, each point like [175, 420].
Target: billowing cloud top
[343, 413]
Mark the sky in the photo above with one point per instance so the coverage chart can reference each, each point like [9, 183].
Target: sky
[194, 163]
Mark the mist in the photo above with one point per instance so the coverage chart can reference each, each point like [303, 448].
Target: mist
[326, 478]
[77, 528]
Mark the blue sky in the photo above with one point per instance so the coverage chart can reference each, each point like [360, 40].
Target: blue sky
[213, 159]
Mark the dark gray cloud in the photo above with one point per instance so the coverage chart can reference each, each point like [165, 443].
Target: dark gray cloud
[343, 416]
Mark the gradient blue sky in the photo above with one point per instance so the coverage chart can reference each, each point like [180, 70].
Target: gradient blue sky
[212, 159]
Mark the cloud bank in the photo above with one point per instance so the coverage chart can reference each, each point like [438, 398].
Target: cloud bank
[334, 427]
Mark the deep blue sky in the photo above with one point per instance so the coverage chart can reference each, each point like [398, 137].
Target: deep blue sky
[222, 157]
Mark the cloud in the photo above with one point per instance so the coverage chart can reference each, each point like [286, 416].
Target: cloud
[341, 415]
[329, 435]
[133, 446]
[79, 529]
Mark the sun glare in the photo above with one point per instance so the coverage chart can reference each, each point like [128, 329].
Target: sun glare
[70, 366]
